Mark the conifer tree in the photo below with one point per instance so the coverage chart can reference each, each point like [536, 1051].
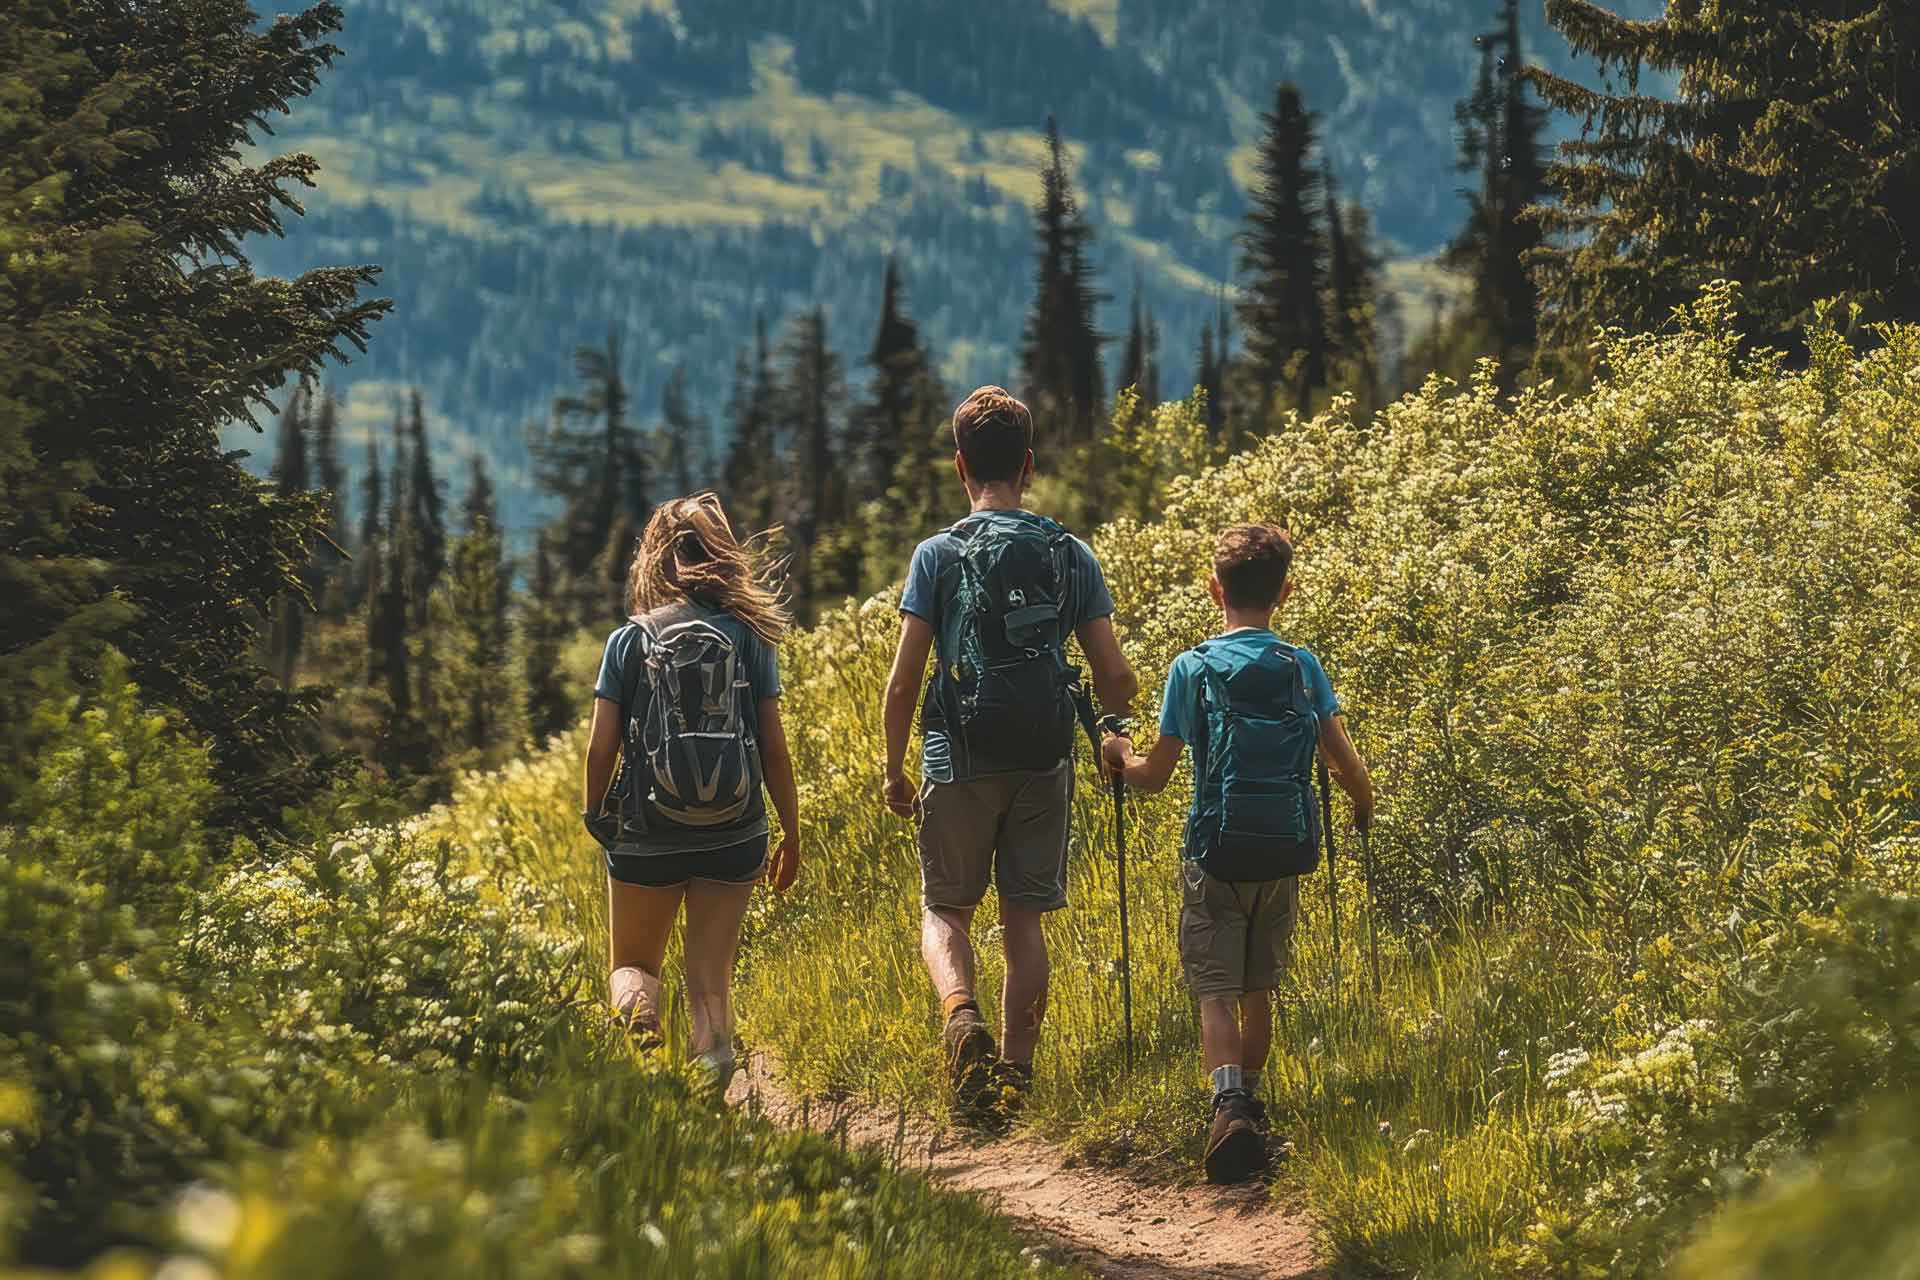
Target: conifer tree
[550, 704]
[598, 470]
[888, 426]
[1500, 147]
[684, 434]
[373, 514]
[1353, 302]
[1133, 357]
[330, 578]
[1206, 376]
[1060, 364]
[287, 634]
[749, 473]
[136, 330]
[478, 594]
[1283, 260]
[812, 399]
[426, 513]
[1789, 160]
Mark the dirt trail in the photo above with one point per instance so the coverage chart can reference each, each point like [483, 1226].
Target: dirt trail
[1103, 1221]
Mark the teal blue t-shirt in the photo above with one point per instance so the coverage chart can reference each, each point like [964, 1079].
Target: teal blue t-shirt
[1180, 715]
[1090, 600]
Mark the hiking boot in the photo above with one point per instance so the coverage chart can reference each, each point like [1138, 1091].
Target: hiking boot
[1235, 1149]
[1012, 1087]
[970, 1053]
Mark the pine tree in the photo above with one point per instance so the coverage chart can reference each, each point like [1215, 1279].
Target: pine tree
[599, 471]
[1133, 358]
[1206, 376]
[1353, 301]
[749, 473]
[1500, 146]
[136, 329]
[478, 595]
[684, 432]
[426, 513]
[330, 585]
[550, 705]
[287, 634]
[373, 514]
[1060, 365]
[812, 399]
[1789, 160]
[888, 428]
[1150, 394]
[1283, 259]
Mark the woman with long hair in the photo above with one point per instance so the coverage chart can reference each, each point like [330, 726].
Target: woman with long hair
[689, 692]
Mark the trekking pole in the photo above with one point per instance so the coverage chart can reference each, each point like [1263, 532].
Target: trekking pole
[1116, 724]
[1333, 889]
[1373, 923]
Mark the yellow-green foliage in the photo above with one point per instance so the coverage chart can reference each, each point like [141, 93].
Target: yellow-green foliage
[382, 1054]
[1637, 675]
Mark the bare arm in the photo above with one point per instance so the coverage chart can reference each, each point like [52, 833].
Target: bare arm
[1150, 772]
[1348, 769]
[1113, 680]
[903, 690]
[776, 766]
[603, 753]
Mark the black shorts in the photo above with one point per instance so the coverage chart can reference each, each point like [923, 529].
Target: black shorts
[736, 864]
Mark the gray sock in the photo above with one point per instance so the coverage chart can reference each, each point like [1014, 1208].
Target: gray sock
[1227, 1077]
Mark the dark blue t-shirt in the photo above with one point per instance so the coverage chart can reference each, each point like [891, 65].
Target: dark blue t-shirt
[762, 668]
[1089, 599]
[1180, 715]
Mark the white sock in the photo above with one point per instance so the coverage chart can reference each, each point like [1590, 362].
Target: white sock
[1227, 1077]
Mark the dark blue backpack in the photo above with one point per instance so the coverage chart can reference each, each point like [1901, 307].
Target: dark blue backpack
[1254, 816]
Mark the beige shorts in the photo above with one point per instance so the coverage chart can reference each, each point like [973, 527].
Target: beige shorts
[1007, 827]
[1236, 936]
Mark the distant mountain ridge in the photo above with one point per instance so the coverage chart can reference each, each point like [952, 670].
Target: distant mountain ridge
[533, 172]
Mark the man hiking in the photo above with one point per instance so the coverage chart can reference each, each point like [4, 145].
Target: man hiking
[996, 597]
[1255, 710]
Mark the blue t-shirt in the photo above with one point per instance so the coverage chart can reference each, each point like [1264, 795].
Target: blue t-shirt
[763, 681]
[1089, 599]
[1180, 715]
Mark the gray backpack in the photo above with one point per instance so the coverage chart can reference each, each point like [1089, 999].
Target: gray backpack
[689, 755]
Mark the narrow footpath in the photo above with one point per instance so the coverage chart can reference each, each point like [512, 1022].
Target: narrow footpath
[1098, 1219]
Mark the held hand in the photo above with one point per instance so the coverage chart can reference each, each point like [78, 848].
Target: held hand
[900, 796]
[1115, 753]
[1363, 818]
[785, 865]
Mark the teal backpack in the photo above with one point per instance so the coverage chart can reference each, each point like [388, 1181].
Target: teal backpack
[1254, 816]
[1002, 689]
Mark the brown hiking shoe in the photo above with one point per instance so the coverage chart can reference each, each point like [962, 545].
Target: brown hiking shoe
[970, 1054]
[1235, 1149]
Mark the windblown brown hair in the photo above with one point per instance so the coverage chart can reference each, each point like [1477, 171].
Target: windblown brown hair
[688, 553]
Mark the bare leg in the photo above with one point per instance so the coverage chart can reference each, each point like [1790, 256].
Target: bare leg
[948, 952]
[1220, 1030]
[714, 912]
[1023, 994]
[639, 922]
[1256, 1029]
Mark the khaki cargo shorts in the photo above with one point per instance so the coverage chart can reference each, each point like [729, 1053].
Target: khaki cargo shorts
[1236, 936]
[1010, 827]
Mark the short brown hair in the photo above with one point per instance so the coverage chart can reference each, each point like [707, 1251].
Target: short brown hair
[1251, 561]
[994, 433]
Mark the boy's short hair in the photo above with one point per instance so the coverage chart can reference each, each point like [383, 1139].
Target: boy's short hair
[994, 433]
[1251, 561]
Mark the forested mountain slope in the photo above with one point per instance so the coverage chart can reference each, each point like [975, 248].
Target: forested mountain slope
[532, 173]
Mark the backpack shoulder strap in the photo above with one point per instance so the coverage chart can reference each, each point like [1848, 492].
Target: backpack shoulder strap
[634, 664]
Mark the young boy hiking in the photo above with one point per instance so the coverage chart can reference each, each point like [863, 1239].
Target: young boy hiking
[996, 597]
[1255, 710]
